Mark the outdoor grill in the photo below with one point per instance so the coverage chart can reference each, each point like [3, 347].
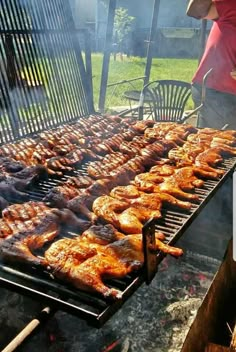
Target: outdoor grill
[90, 307]
[35, 108]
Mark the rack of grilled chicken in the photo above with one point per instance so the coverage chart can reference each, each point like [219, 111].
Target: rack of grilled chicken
[136, 169]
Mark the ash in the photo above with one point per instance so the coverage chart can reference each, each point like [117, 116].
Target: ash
[156, 318]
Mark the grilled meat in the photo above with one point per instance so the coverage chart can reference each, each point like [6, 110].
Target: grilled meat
[101, 235]
[59, 196]
[79, 181]
[9, 191]
[208, 160]
[108, 209]
[3, 203]
[133, 192]
[25, 211]
[132, 219]
[10, 165]
[86, 267]
[82, 206]
[38, 172]
[19, 246]
[127, 192]
[126, 215]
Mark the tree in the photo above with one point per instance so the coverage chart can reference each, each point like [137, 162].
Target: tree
[122, 27]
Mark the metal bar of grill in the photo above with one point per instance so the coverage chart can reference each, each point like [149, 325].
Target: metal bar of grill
[51, 84]
[91, 307]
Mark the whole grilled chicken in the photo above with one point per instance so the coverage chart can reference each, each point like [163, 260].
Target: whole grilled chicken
[86, 268]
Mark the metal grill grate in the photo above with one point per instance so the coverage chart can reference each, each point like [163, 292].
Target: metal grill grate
[90, 307]
[43, 80]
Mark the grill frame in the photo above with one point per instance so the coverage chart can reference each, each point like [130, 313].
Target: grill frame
[91, 307]
[45, 49]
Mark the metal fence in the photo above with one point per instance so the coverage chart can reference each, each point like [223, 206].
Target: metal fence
[45, 80]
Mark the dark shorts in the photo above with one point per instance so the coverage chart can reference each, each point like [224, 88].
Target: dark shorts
[219, 108]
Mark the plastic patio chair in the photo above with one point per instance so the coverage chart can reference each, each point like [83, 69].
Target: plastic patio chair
[168, 100]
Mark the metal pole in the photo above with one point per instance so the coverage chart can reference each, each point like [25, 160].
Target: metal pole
[107, 53]
[96, 25]
[202, 38]
[152, 37]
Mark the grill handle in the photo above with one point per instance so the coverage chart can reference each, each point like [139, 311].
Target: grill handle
[28, 330]
[149, 250]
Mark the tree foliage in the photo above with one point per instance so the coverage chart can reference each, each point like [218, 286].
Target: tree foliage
[122, 25]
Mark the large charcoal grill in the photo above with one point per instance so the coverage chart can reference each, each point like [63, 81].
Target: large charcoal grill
[45, 35]
[40, 285]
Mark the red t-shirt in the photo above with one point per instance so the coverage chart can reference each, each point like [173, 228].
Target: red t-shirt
[220, 51]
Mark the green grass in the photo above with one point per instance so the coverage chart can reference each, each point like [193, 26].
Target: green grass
[129, 68]
[119, 70]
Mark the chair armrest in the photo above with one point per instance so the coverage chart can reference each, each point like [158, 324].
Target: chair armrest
[128, 111]
[193, 112]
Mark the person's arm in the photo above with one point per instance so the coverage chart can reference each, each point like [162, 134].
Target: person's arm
[212, 13]
[198, 8]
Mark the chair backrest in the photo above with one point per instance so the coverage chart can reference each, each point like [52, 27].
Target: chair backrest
[167, 99]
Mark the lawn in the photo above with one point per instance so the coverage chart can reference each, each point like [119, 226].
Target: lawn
[129, 68]
[120, 70]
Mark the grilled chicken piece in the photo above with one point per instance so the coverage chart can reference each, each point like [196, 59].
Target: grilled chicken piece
[133, 192]
[154, 150]
[186, 176]
[3, 203]
[175, 133]
[182, 180]
[59, 196]
[17, 183]
[74, 158]
[127, 192]
[148, 177]
[98, 169]
[141, 126]
[79, 181]
[101, 187]
[90, 155]
[121, 176]
[128, 215]
[186, 154]
[129, 148]
[132, 219]
[19, 246]
[10, 165]
[38, 172]
[58, 163]
[108, 209]
[82, 206]
[9, 191]
[172, 187]
[69, 220]
[25, 211]
[162, 170]
[208, 160]
[101, 235]
[86, 267]
[22, 238]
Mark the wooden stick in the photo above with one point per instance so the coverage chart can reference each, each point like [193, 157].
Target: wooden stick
[18, 340]
[211, 347]
[233, 341]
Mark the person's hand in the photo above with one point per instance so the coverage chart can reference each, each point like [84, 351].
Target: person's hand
[233, 73]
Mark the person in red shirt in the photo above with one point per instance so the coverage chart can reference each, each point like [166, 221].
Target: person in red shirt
[219, 108]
